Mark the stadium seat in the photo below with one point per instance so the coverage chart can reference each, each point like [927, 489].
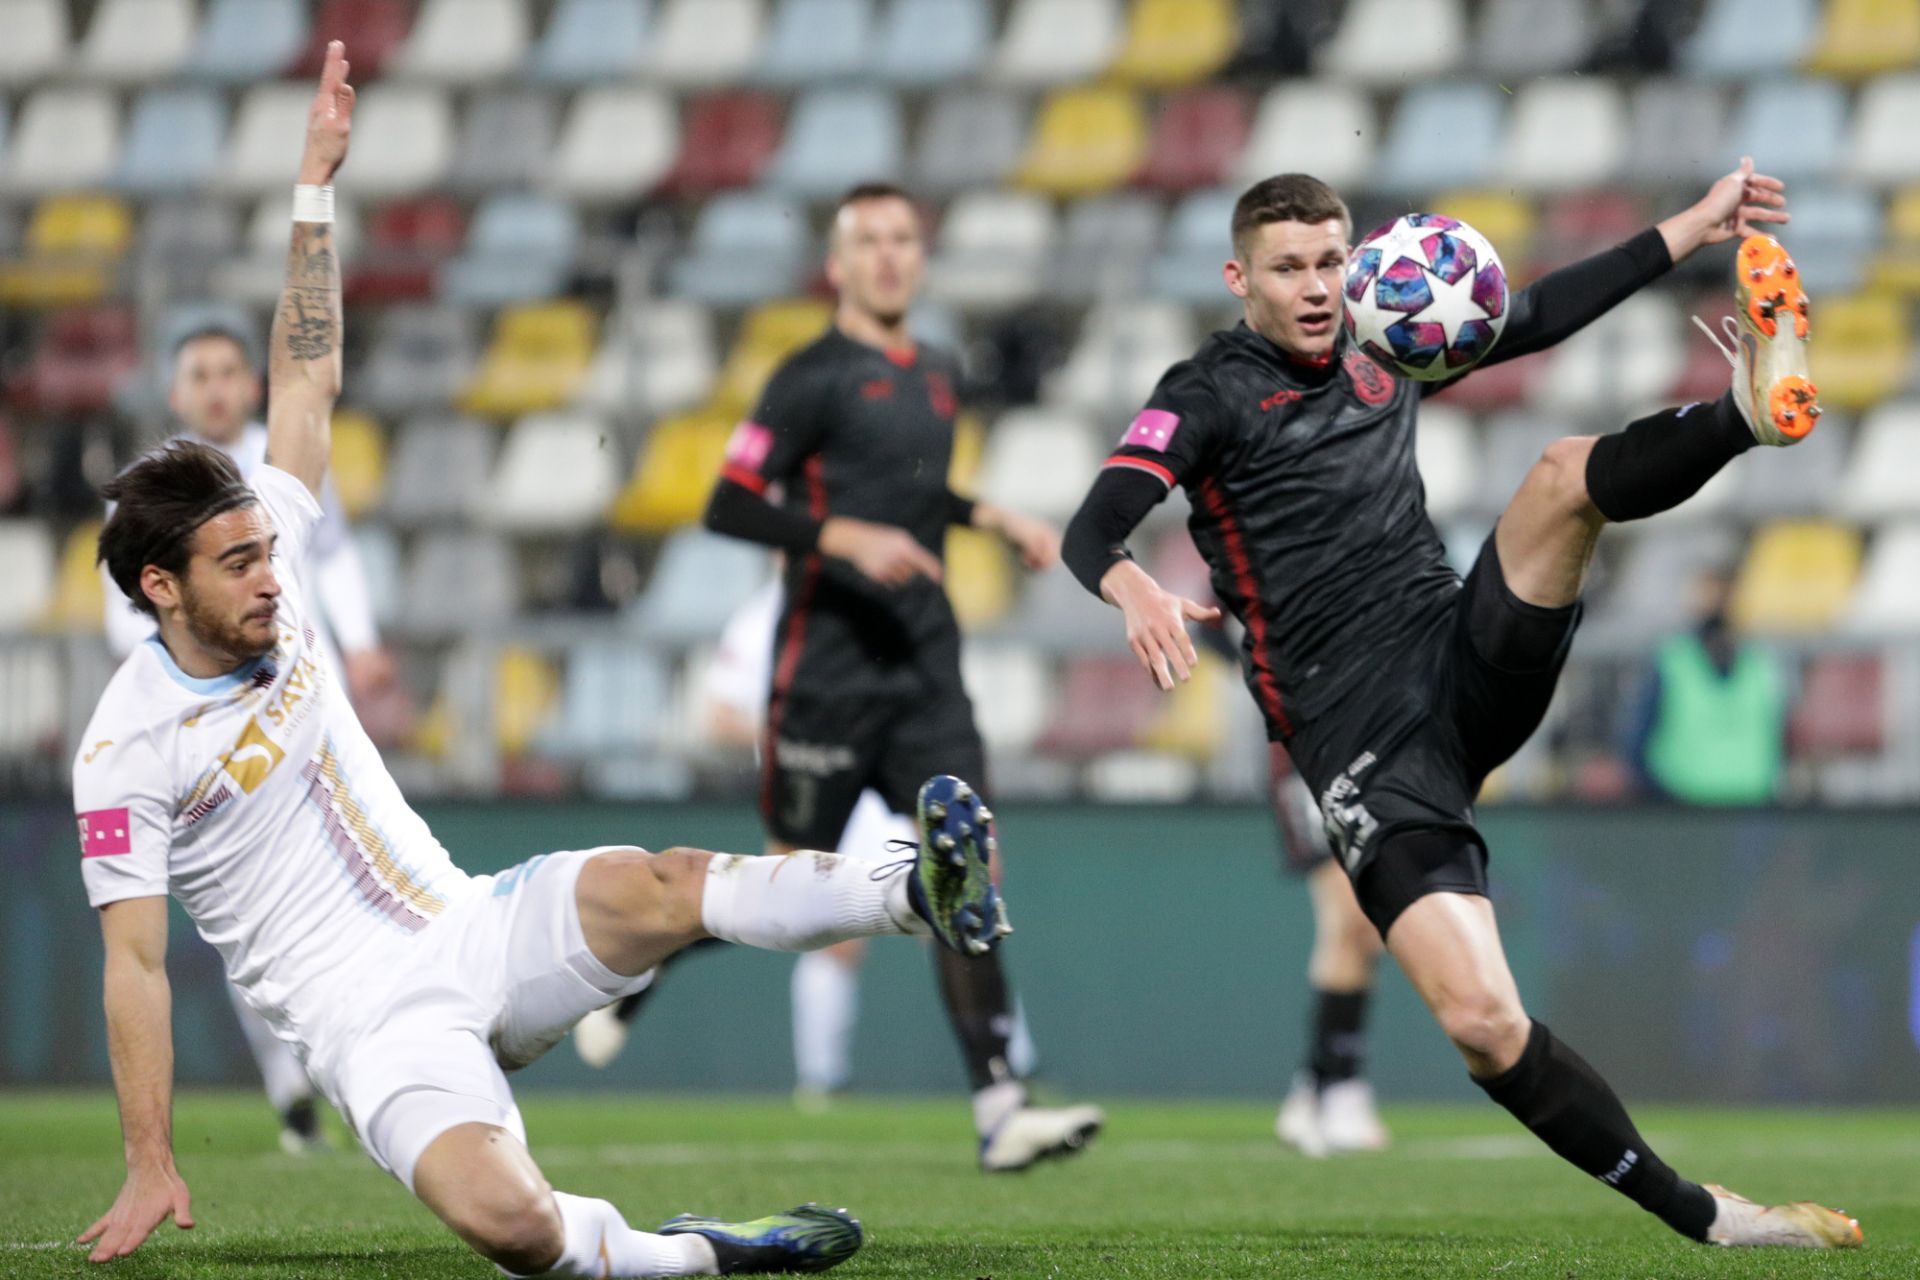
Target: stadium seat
[37, 40]
[80, 362]
[1883, 472]
[969, 138]
[459, 583]
[33, 699]
[1565, 133]
[978, 579]
[1507, 220]
[557, 472]
[358, 462]
[927, 42]
[1841, 707]
[1197, 139]
[674, 474]
[617, 144]
[1039, 461]
[1520, 38]
[700, 580]
[1086, 141]
[136, 40]
[64, 139]
[1647, 600]
[1797, 126]
[1896, 269]
[257, 272]
[1862, 38]
[1798, 577]
[440, 470]
[464, 41]
[79, 598]
[1882, 149]
[1448, 459]
[1176, 42]
[380, 563]
[1396, 42]
[1466, 116]
[1050, 42]
[1123, 348]
[506, 140]
[74, 245]
[1513, 442]
[244, 41]
[173, 142]
[1104, 703]
[1577, 224]
[26, 588]
[538, 354]
[1887, 602]
[419, 359]
[1199, 242]
[402, 139]
[729, 140]
[770, 333]
[1860, 349]
[1674, 133]
[1834, 233]
[519, 249]
[836, 138]
[1772, 483]
[1619, 364]
[1108, 242]
[587, 41]
[616, 699]
[1012, 694]
[407, 240]
[375, 31]
[810, 41]
[267, 129]
[658, 359]
[1316, 127]
[705, 42]
[1186, 723]
[992, 250]
[1741, 39]
[745, 246]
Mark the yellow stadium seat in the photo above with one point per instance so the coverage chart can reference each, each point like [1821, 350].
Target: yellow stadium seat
[769, 334]
[979, 579]
[525, 690]
[1798, 576]
[1866, 37]
[675, 473]
[1505, 219]
[1898, 266]
[1860, 347]
[73, 245]
[79, 593]
[969, 443]
[538, 355]
[1188, 722]
[359, 467]
[1176, 42]
[1087, 141]
[435, 732]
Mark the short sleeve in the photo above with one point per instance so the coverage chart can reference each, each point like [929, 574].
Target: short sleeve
[295, 513]
[785, 429]
[124, 811]
[1172, 437]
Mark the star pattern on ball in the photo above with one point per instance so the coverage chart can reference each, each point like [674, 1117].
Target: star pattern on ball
[1453, 306]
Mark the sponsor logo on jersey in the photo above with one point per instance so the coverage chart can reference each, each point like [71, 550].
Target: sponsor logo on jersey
[198, 811]
[254, 756]
[97, 748]
[105, 833]
[876, 389]
[1371, 383]
[1278, 398]
[940, 395]
[749, 445]
[1152, 429]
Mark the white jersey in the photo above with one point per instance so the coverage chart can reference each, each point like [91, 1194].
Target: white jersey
[258, 801]
[742, 668]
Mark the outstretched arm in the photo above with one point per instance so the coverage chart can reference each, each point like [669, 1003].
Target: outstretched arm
[303, 363]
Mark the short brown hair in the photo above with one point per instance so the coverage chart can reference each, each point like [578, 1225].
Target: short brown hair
[159, 502]
[1286, 197]
[865, 191]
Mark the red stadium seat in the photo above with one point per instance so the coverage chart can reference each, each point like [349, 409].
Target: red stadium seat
[729, 139]
[405, 243]
[1584, 223]
[1104, 705]
[373, 29]
[80, 362]
[1500, 386]
[1842, 708]
[1197, 140]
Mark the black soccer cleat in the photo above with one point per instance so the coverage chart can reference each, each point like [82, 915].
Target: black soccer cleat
[951, 886]
[808, 1238]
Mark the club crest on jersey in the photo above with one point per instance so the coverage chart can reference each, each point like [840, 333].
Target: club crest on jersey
[253, 757]
[940, 396]
[1371, 383]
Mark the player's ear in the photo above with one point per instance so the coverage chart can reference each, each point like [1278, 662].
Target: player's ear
[1236, 277]
[161, 587]
[834, 274]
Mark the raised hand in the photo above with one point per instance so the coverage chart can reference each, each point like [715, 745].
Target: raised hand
[1735, 207]
[329, 120]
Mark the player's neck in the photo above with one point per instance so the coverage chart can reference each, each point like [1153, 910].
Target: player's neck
[867, 328]
[192, 657]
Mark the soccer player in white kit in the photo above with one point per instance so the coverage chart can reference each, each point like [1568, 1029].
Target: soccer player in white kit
[235, 776]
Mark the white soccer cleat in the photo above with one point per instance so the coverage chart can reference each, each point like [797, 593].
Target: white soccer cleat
[1298, 1124]
[599, 1037]
[1738, 1221]
[1032, 1134]
[1348, 1119]
[1767, 344]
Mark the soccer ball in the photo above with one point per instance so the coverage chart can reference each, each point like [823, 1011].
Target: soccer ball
[1426, 295]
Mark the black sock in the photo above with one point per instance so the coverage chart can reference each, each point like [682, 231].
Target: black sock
[630, 1006]
[975, 992]
[1659, 462]
[1339, 1035]
[302, 1118]
[1553, 1092]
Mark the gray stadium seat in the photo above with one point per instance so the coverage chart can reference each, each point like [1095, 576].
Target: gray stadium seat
[173, 142]
[1564, 133]
[420, 358]
[1123, 348]
[616, 699]
[969, 138]
[506, 140]
[1199, 242]
[591, 40]
[653, 360]
[746, 246]
[1315, 127]
[402, 139]
[271, 120]
[26, 588]
[242, 41]
[1622, 363]
[1883, 474]
[1106, 246]
[1448, 456]
[1836, 230]
[1739, 39]
[1885, 602]
[1532, 37]
[1648, 598]
[439, 471]
[1792, 128]
[1674, 132]
[809, 41]
[837, 137]
[1039, 461]
[700, 580]
[925, 42]
[459, 583]
[992, 249]
[1777, 483]
[1443, 136]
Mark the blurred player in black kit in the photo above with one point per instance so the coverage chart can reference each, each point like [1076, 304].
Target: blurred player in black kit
[1394, 686]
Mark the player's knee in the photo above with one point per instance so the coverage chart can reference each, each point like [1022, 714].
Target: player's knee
[1484, 1024]
[520, 1230]
[1560, 476]
[652, 894]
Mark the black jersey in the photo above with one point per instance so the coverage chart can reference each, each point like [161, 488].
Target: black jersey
[846, 429]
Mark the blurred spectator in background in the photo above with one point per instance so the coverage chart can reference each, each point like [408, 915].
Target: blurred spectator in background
[1710, 725]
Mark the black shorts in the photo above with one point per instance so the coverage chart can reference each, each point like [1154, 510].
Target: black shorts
[822, 751]
[1407, 751]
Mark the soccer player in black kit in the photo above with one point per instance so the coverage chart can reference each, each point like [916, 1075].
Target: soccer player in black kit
[1394, 686]
[857, 430]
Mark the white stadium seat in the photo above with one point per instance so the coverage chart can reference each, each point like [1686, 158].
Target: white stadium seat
[26, 588]
[1327, 130]
[706, 42]
[402, 139]
[266, 137]
[1397, 41]
[1886, 601]
[1054, 41]
[1122, 351]
[134, 40]
[1444, 447]
[616, 144]
[1038, 461]
[64, 137]
[37, 39]
[465, 41]
[1883, 473]
[1564, 133]
[1882, 149]
[557, 471]
[992, 249]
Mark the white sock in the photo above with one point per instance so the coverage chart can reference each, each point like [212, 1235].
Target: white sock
[804, 901]
[600, 1243]
[1023, 1056]
[995, 1103]
[826, 1001]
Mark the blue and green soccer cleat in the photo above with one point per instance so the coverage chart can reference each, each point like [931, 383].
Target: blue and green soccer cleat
[952, 885]
[808, 1238]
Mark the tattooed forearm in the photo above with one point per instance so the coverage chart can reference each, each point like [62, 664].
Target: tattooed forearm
[307, 324]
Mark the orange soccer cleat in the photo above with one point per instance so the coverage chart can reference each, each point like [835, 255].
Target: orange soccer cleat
[1767, 344]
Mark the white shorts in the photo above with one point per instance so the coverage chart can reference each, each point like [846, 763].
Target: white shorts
[491, 985]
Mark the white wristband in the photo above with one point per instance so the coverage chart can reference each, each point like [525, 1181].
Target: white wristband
[312, 204]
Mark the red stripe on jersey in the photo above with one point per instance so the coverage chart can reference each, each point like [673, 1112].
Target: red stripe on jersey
[1266, 685]
[813, 472]
[744, 477]
[1140, 464]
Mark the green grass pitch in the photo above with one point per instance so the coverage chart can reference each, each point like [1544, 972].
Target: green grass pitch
[1186, 1191]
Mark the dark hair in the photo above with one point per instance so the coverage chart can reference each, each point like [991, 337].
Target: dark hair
[214, 329]
[159, 502]
[873, 191]
[1287, 197]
